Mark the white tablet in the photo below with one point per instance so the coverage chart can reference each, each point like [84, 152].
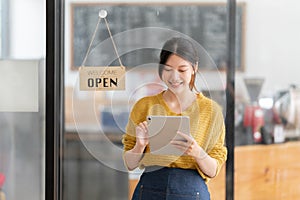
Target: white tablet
[163, 129]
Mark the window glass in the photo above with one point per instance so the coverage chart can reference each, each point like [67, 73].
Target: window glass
[22, 110]
[96, 120]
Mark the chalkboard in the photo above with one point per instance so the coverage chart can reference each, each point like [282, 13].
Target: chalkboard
[205, 23]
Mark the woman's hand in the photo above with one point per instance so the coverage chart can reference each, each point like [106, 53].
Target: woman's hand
[207, 164]
[189, 146]
[142, 137]
[133, 156]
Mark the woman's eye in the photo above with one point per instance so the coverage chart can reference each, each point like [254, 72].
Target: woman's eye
[168, 69]
[182, 71]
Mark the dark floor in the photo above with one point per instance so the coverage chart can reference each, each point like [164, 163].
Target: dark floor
[87, 178]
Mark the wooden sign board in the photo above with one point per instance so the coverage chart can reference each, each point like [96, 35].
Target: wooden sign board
[102, 78]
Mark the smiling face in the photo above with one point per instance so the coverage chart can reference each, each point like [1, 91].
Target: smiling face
[179, 55]
[177, 74]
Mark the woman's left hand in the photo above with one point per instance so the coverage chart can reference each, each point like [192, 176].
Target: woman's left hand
[189, 146]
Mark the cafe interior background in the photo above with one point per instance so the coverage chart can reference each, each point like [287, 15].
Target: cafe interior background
[267, 105]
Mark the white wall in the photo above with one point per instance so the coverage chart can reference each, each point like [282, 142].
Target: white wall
[27, 24]
[272, 44]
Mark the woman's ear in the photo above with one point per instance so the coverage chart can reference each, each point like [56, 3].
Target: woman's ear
[196, 67]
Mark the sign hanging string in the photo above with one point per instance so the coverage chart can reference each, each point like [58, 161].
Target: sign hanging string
[113, 42]
[102, 14]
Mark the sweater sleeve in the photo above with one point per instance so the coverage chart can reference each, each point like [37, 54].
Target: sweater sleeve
[137, 115]
[129, 138]
[219, 151]
[217, 148]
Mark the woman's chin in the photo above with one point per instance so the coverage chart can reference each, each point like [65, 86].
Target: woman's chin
[177, 89]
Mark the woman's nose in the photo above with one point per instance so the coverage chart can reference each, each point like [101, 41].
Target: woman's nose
[175, 75]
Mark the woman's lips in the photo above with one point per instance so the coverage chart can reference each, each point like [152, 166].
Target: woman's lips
[175, 84]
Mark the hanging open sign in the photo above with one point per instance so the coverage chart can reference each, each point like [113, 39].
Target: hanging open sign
[102, 78]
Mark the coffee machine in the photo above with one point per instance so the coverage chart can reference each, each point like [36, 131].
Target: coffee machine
[253, 120]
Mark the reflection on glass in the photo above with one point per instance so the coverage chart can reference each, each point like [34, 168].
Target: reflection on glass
[94, 121]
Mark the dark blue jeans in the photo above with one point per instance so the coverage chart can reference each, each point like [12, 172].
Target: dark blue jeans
[171, 184]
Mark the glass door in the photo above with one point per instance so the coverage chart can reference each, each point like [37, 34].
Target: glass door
[22, 101]
[131, 35]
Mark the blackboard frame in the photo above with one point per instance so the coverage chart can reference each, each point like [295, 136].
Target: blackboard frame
[221, 65]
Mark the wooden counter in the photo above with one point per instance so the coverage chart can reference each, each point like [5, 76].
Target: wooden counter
[262, 172]
[268, 172]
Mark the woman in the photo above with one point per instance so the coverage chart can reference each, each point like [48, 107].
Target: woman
[183, 177]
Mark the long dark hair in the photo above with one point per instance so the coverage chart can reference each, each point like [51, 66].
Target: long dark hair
[183, 48]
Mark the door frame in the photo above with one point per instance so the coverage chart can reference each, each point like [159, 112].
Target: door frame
[54, 104]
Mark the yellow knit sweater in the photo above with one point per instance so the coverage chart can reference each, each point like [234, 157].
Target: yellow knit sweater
[206, 126]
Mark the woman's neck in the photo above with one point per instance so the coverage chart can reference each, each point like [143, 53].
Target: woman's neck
[179, 102]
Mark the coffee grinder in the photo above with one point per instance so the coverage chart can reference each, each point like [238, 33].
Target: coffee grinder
[253, 114]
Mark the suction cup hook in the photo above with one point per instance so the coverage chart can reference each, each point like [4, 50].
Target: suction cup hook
[102, 13]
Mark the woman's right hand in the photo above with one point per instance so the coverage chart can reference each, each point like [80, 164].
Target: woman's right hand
[142, 137]
[133, 156]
